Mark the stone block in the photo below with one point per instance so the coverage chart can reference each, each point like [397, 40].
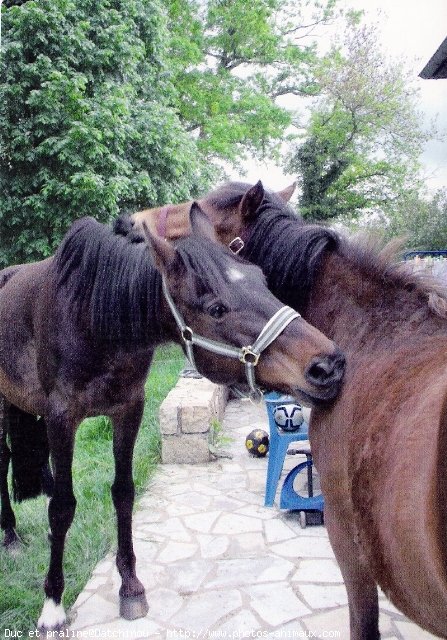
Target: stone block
[185, 449]
[186, 416]
[196, 418]
[169, 417]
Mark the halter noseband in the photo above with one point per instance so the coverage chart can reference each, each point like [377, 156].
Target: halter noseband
[248, 355]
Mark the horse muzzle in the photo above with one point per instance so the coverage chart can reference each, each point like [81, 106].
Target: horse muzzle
[325, 376]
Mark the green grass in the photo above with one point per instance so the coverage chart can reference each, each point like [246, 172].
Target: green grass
[93, 531]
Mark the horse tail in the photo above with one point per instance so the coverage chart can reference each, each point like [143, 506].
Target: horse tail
[30, 451]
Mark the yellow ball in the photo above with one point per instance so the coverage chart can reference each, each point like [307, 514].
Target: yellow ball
[257, 443]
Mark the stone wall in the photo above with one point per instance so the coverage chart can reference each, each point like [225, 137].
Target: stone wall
[186, 416]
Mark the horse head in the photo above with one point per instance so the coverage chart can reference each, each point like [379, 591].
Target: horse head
[221, 298]
[234, 207]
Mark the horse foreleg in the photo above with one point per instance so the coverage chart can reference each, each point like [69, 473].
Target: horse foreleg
[133, 603]
[47, 479]
[361, 588]
[61, 511]
[7, 518]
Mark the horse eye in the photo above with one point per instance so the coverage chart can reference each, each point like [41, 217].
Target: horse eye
[217, 310]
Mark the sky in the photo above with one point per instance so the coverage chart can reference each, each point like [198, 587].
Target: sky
[412, 29]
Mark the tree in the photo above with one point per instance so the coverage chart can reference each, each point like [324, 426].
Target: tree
[234, 60]
[364, 135]
[86, 125]
[422, 221]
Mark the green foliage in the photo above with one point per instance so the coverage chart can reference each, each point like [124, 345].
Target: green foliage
[112, 105]
[233, 60]
[219, 440]
[364, 134]
[86, 125]
[422, 221]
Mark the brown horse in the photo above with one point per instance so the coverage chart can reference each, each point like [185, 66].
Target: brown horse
[381, 451]
[77, 334]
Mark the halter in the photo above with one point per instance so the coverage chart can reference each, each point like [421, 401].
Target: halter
[248, 355]
[236, 245]
[239, 242]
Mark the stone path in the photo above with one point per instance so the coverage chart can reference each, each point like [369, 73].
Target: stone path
[217, 564]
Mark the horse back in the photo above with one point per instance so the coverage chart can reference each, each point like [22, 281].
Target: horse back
[7, 273]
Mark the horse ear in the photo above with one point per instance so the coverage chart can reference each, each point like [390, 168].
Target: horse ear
[162, 251]
[287, 193]
[251, 201]
[200, 223]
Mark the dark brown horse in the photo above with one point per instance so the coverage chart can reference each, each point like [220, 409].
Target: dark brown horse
[77, 334]
[381, 450]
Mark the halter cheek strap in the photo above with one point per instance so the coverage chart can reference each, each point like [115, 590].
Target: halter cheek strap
[248, 355]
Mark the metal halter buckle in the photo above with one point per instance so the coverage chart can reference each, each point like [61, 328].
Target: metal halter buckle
[248, 356]
[236, 245]
[187, 334]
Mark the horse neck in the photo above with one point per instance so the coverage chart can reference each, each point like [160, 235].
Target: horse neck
[357, 308]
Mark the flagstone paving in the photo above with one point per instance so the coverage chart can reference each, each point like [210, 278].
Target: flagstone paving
[216, 563]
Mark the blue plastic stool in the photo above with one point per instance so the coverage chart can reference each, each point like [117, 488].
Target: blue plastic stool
[311, 507]
[279, 443]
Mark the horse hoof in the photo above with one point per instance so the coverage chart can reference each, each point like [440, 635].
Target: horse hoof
[133, 607]
[53, 621]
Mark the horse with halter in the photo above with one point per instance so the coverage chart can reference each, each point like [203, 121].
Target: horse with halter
[381, 450]
[77, 334]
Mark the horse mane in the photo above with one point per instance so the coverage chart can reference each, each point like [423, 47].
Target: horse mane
[109, 283]
[290, 254]
[290, 251]
[114, 284]
[280, 242]
[385, 262]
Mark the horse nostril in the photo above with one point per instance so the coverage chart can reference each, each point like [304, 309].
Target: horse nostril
[319, 373]
[325, 371]
[321, 369]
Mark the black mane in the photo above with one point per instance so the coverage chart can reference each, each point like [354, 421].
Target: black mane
[114, 284]
[287, 250]
[110, 283]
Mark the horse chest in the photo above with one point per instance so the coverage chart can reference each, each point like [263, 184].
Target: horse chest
[113, 384]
